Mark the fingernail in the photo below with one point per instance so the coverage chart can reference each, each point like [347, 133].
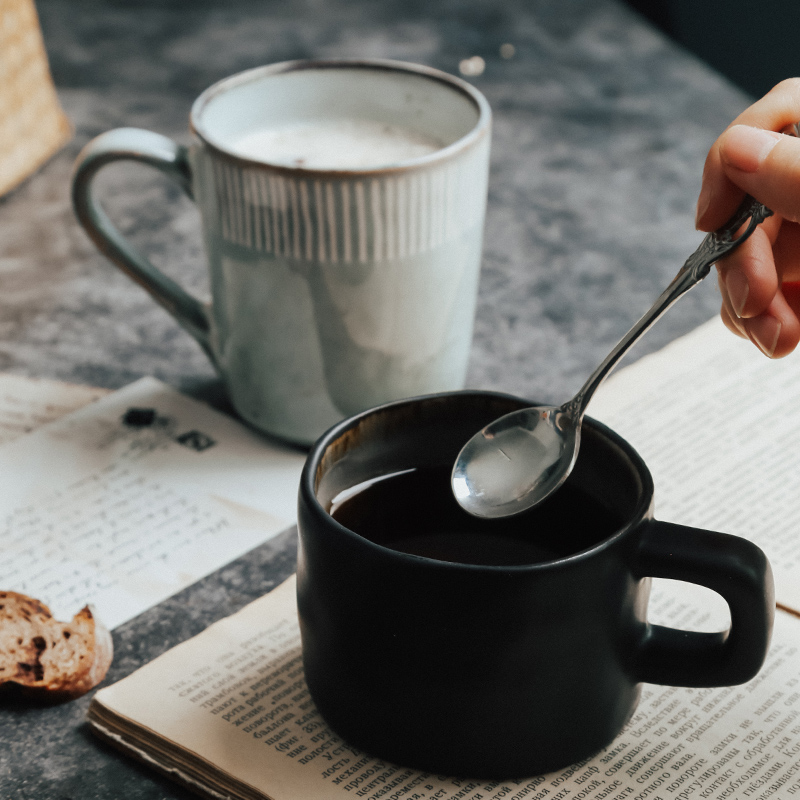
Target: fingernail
[764, 331]
[738, 290]
[703, 202]
[745, 148]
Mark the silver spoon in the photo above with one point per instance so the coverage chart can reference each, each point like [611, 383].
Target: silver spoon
[519, 459]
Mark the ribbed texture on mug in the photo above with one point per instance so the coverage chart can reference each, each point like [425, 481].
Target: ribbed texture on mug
[349, 219]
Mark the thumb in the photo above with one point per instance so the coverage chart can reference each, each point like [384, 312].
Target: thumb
[764, 164]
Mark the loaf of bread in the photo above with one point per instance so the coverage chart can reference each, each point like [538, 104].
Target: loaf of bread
[48, 659]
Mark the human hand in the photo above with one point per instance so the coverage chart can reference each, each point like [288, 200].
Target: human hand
[760, 280]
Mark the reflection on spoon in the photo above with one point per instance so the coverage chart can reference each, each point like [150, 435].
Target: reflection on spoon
[519, 459]
[503, 456]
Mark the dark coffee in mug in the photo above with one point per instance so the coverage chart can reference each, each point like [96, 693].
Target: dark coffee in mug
[415, 512]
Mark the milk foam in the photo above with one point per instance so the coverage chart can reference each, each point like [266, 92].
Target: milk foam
[335, 144]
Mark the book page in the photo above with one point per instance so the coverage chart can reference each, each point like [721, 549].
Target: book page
[29, 403]
[240, 720]
[719, 426]
[126, 501]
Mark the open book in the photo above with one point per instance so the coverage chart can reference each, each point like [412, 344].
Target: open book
[227, 713]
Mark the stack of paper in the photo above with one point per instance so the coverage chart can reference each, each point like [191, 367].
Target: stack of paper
[131, 498]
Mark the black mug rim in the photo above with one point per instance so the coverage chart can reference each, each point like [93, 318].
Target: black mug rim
[308, 486]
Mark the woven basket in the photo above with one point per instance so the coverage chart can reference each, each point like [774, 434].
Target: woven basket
[32, 125]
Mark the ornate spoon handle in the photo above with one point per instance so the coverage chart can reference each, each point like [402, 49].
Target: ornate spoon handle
[715, 245]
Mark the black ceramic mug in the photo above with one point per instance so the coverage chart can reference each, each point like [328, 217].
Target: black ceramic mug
[520, 649]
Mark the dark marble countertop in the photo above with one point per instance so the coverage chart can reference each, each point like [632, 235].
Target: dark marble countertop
[601, 126]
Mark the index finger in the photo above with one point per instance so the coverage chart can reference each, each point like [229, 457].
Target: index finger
[720, 196]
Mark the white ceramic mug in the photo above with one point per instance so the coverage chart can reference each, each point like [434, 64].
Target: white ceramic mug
[343, 273]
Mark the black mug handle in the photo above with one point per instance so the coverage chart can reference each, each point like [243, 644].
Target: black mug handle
[729, 565]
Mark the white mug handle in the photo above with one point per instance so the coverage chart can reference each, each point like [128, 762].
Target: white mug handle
[135, 144]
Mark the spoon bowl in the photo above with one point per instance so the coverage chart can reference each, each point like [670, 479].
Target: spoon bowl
[492, 474]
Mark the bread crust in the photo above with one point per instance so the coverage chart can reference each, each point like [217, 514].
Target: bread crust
[47, 659]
